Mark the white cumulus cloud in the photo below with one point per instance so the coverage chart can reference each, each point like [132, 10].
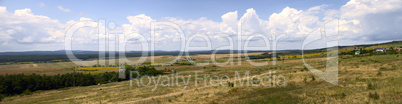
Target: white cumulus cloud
[63, 9]
[360, 21]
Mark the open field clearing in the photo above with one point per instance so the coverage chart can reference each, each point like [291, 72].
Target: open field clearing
[40, 68]
[67, 67]
[369, 79]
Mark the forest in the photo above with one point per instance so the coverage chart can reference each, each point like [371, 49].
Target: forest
[11, 85]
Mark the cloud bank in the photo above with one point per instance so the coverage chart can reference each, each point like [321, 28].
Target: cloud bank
[360, 21]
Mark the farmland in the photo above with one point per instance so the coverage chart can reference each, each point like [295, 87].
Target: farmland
[360, 78]
[366, 78]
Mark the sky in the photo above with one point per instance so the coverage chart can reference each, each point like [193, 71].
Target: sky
[28, 25]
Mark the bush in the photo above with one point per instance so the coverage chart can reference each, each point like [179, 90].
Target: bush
[343, 95]
[304, 69]
[234, 90]
[312, 78]
[2, 97]
[387, 69]
[151, 71]
[230, 84]
[370, 86]
[374, 96]
[27, 92]
[145, 70]
[379, 73]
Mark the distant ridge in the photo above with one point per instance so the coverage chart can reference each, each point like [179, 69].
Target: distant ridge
[83, 52]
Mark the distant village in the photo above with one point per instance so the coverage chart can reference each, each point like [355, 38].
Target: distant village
[379, 50]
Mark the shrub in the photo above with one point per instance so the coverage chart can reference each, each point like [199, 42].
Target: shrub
[230, 84]
[387, 69]
[374, 61]
[370, 86]
[304, 69]
[150, 71]
[213, 102]
[343, 95]
[374, 96]
[2, 97]
[27, 92]
[379, 73]
[255, 81]
[234, 90]
[312, 78]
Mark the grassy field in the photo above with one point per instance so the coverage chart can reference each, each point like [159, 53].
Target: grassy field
[67, 67]
[368, 79]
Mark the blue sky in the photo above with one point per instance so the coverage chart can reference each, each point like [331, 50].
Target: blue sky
[185, 9]
[29, 25]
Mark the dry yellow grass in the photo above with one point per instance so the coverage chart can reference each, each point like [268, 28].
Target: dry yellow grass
[96, 68]
[355, 74]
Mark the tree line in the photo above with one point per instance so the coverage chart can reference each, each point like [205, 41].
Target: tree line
[21, 83]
